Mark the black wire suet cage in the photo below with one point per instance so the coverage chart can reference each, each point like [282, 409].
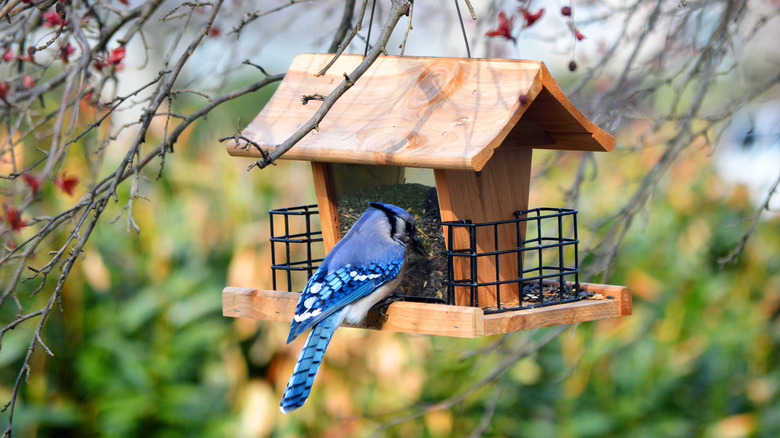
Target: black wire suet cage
[546, 257]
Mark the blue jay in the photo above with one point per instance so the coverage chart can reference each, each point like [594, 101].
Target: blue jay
[363, 268]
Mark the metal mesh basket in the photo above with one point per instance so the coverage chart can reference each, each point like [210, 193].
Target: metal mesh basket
[292, 240]
[546, 260]
[544, 251]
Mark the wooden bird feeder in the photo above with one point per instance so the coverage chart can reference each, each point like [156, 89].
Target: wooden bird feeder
[475, 123]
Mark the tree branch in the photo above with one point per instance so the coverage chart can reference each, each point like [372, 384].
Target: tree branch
[754, 221]
[344, 26]
[399, 8]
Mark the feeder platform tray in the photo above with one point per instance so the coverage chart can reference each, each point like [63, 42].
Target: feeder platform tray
[439, 319]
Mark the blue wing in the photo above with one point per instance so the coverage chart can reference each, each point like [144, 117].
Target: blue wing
[326, 293]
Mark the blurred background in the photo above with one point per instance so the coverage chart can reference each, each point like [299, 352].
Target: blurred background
[688, 88]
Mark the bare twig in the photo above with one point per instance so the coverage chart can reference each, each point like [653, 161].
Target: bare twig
[257, 14]
[399, 8]
[471, 9]
[408, 29]
[490, 409]
[310, 97]
[701, 76]
[754, 221]
[160, 97]
[86, 212]
[344, 26]
[346, 42]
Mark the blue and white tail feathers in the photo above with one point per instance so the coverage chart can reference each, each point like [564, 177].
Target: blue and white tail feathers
[299, 386]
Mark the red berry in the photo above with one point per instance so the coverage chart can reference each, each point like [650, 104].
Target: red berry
[572, 66]
[566, 11]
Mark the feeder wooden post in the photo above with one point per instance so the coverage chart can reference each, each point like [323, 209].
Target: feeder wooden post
[493, 194]
[332, 180]
[327, 202]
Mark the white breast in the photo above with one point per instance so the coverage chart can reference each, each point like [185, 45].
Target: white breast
[355, 312]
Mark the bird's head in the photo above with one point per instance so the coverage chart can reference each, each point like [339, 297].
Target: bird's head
[401, 226]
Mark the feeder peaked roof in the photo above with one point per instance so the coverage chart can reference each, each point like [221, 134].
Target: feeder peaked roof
[440, 113]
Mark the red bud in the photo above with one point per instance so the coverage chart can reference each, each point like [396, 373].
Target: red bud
[32, 182]
[14, 218]
[116, 56]
[66, 183]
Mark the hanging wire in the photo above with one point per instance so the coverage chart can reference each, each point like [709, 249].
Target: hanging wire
[460, 19]
[462, 28]
[370, 24]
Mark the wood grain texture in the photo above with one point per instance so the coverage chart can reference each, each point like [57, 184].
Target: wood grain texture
[327, 203]
[440, 113]
[550, 114]
[266, 305]
[570, 313]
[401, 316]
[429, 319]
[587, 310]
[438, 319]
[492, 195]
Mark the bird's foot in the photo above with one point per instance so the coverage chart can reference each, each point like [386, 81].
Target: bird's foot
[385, 302]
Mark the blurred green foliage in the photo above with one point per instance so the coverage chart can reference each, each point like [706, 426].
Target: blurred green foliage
[142, 348]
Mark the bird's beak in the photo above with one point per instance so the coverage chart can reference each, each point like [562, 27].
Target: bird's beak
[416, 246]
